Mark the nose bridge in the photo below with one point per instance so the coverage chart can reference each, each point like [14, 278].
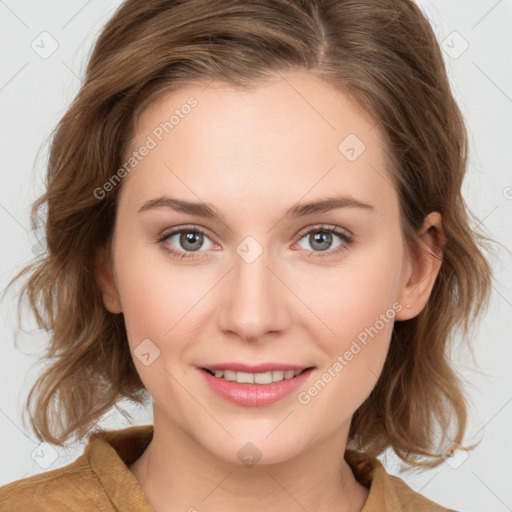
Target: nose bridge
[254, 303]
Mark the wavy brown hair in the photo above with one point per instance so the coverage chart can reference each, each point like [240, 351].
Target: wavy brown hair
[385, 56]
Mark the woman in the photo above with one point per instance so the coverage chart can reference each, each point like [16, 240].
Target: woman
[255, 215]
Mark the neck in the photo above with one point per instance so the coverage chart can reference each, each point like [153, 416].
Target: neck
[176, 473]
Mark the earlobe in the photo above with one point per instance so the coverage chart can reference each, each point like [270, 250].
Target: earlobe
[423, 268]
[106, 282]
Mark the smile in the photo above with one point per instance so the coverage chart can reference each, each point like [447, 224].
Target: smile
[256, 389]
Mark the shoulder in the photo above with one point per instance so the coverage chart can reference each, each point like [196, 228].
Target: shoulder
[97, 480]
[74, 487]
[396, 493]
[387, 493]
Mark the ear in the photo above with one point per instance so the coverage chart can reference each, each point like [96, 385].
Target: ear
[105, 279]
[422, 268]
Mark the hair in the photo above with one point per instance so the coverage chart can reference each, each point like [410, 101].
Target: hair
[384, 55]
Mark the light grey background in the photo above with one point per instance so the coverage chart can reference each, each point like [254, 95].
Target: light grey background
[35, 90]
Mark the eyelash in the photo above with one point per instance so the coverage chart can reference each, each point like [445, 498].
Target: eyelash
[347, 239]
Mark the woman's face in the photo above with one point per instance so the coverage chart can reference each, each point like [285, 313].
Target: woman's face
[256, 279]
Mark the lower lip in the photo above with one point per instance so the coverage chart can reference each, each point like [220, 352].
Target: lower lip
[254, 395]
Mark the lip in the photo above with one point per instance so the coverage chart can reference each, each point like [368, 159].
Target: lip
[255, 395]
[258, 368]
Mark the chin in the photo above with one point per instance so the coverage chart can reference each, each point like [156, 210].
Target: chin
[250, 450]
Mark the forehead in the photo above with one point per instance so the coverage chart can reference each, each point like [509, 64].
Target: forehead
[294, 135]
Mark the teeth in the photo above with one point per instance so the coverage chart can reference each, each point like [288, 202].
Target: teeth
[256, 378]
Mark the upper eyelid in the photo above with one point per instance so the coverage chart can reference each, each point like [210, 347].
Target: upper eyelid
[319, 227]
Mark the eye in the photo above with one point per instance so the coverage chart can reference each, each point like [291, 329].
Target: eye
[191, 239]
[187, 239]
[321, 239]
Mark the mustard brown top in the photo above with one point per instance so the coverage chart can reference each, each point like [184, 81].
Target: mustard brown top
[100, 480]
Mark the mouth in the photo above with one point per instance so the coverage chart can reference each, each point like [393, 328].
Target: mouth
[255, 388]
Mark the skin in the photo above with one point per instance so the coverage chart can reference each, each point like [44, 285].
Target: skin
[252, 155]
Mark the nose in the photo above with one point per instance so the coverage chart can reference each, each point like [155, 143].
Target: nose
[254, 301]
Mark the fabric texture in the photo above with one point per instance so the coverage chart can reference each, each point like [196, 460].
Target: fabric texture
[99, 480]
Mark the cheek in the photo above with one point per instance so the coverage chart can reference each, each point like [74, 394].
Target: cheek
[358, 305]
[157, 295]
[159, 304]
[354, 355]
[355, 296]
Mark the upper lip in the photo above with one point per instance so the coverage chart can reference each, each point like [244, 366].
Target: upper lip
[258, 368]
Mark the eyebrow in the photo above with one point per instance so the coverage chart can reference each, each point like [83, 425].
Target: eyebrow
[207, 210]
